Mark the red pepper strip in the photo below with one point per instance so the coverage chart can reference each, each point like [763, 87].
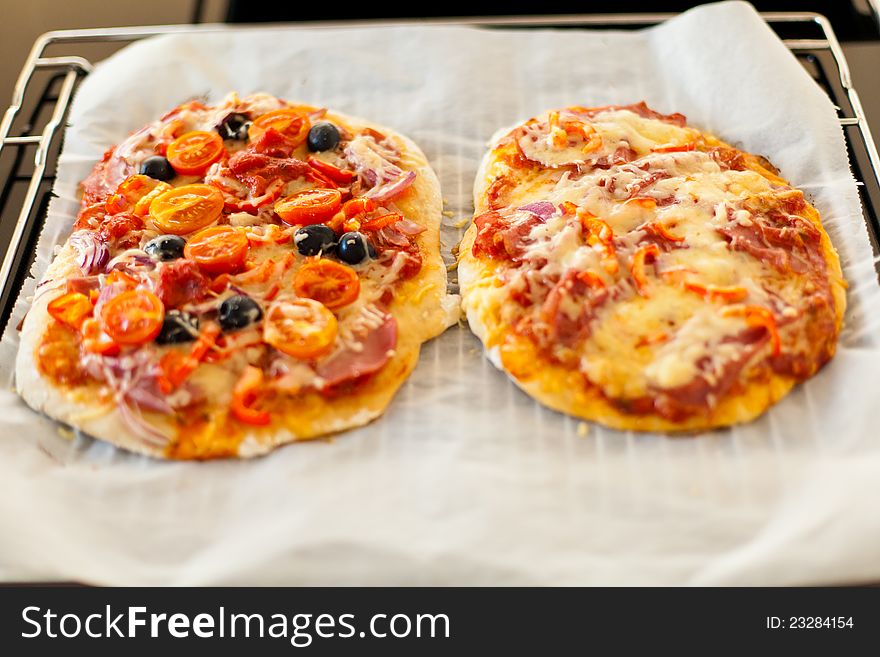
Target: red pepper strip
[380, 222]
[677, 274]
[220, 283]
[273, 234]
[245, 394]
[570, 127]
[643, 201]
[176, 368]
[559, 141]
[728, 293]
[317, 177]
[119, 276]
[273, 292]
[259, 274]
[757, 316]
[357, 206]
[268, 269]
[638, 266]
[598, 233]
[568, 207]
[337, 222]
[579, 128]
[286, 264]
[341, 176]
[592, 280]
[663, 230]
[350, 217]
[680, 148]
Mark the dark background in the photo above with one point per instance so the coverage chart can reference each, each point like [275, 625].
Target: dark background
[852, 20]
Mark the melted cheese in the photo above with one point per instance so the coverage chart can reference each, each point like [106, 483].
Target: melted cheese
[675, 363]
[560, 242]
[551, 146]
[640, 134]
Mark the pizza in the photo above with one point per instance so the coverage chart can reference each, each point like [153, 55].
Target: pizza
[239, 276]
[628, 269]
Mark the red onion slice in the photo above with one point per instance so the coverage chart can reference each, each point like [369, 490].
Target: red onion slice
[375, 163]
[148, 399]
[408, 227]
[92, 252]
[386, 192]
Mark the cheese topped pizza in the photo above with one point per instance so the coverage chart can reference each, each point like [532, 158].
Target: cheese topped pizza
[626, 268]
[239, 276]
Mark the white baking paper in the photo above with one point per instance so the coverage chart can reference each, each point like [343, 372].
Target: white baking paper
[465, 480]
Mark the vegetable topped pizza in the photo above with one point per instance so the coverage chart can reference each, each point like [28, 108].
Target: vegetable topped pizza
[626, 268]
[239, 276]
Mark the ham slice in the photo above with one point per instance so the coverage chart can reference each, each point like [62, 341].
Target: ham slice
[181, 282]
[83, 284]
[350, 364]
[751, 240]
[504, 236]
[258, 170]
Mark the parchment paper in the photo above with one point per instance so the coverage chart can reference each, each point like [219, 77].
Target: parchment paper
[465, 480]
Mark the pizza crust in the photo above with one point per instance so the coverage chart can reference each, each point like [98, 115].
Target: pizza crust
[422, 308]
[561, 389]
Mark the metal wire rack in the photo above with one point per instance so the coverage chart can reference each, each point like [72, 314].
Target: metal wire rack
[31, 130]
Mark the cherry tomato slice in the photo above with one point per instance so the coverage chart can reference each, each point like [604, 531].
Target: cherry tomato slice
[191, 154]
[142, 207]
[311, 206]
[186, 209]
[377, 223]
[291, 124]
[119, 276]
[133, 317]
[302, 328]
[218, 250]
[132, 192]
[90, 216]
[72, 308]
[327, 281]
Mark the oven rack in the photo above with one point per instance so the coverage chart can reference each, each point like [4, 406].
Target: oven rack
[32, 127]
